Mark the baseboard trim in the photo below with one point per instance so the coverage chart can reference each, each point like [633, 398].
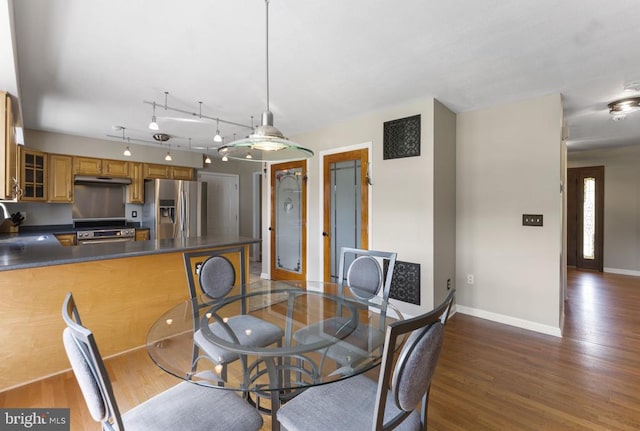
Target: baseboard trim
[622, 271]
[509, 320]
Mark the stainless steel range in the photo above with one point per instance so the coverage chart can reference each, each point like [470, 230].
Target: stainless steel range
[103, 230]
[100, 236]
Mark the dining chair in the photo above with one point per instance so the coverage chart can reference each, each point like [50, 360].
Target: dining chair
[185, 407]
[359, 403]
[362, 273]
[215, 275]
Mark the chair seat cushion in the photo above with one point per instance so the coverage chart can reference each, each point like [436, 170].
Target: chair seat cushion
[261, 334]
[188, 406]
[344, 405]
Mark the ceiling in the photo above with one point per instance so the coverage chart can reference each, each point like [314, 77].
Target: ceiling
[85, 66]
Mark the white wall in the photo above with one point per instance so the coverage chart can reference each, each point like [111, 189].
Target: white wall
[621, 204]
[402, 194]
[509, 164]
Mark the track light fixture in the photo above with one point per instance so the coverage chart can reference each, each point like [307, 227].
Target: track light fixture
[217, 138]
[154, 125]
[127, 151]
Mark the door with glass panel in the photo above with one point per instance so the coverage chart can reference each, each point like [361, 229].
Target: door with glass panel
[346, 206]
[585, 217]
[288, 228]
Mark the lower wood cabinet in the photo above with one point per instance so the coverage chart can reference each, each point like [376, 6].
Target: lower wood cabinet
[67, 239]
[142, 234]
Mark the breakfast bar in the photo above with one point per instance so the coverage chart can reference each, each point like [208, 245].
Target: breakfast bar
[122, 288]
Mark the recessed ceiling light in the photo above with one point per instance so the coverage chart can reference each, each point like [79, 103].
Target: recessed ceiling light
[624, 106]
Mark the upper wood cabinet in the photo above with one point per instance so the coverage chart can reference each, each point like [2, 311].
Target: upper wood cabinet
[182, 173]
[135, 191]
[60, 178]
[152, 171]
[87, 166]
[115, 168]
[8, 150]
[33, 175]
[94, 166]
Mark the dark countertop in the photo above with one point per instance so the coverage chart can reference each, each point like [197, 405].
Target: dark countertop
[18, 251]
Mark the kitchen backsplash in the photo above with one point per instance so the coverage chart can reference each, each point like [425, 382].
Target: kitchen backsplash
[38, 214]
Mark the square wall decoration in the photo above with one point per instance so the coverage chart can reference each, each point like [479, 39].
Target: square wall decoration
[401, 138]
[405, 284]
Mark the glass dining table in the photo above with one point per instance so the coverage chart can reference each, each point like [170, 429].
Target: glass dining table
[328, 336]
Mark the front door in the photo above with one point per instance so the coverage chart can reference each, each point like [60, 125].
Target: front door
[288, 226]
[346, 206]
[585, 217]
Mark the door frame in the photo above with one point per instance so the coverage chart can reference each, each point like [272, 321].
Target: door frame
[275, 273]
[368, 171]
[575, 178]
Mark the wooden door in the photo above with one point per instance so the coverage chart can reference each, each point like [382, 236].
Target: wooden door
[585, 217]
[288, 227]
[346, 206]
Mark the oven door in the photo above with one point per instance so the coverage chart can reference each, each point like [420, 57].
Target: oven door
[104, 240]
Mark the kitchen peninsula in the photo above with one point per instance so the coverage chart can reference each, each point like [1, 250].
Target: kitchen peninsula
[123, 288]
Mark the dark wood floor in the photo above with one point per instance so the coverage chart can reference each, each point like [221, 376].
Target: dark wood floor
[490, 376]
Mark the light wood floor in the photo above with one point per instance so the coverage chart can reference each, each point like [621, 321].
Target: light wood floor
[490, 376]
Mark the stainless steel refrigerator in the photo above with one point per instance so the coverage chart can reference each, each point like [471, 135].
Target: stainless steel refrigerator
[175, 208]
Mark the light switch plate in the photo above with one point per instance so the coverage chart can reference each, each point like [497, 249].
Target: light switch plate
[531, 219]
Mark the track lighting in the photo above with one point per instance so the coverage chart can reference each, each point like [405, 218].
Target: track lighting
[207, 160]
[127, 152]
[217, 138]
[168, 157]
[154, 125]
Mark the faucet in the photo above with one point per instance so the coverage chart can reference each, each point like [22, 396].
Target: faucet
[5, 211]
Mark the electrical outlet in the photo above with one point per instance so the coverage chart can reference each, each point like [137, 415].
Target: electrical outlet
[470, 279]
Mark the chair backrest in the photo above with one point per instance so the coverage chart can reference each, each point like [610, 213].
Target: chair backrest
[89, 368]
[212, 272]
[415, 365]
[364, 275]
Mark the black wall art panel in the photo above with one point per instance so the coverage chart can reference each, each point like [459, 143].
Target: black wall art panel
[401, 138]
[405, 284]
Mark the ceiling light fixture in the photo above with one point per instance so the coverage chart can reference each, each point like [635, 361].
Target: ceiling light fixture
[168, 157]
[267, 142]
[153, 125]
[620, 108]
[217, 138]
[127, 151]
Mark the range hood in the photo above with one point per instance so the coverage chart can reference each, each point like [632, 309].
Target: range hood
[83, 179]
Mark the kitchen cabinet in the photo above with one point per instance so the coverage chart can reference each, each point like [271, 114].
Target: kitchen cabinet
[60, 178]
[33, 174]
[142, 234]
[66, 239]
[8, 150]
[115, 168]
[135, 190]
[152, 171]
[182, 173]
[87, 166]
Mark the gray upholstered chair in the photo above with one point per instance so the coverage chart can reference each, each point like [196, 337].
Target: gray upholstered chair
[216, 277]
[359, 403]
[184, 407]
[360, 270]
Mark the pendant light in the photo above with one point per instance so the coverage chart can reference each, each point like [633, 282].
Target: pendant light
[154, 125]
[127, 151]
[217, 138]
[266, 143]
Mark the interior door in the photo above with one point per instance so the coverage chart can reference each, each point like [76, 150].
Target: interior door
[222, 204]
[346, 206]
[288, 227]
[585, 217]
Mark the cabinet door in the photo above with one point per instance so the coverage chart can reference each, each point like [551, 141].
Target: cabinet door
[142, 234]
[60, 178]
[33, 172]
[87, 166]
[136, 188]
[157, 171]
[115, 168]
[182, 173]
[66, 239]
